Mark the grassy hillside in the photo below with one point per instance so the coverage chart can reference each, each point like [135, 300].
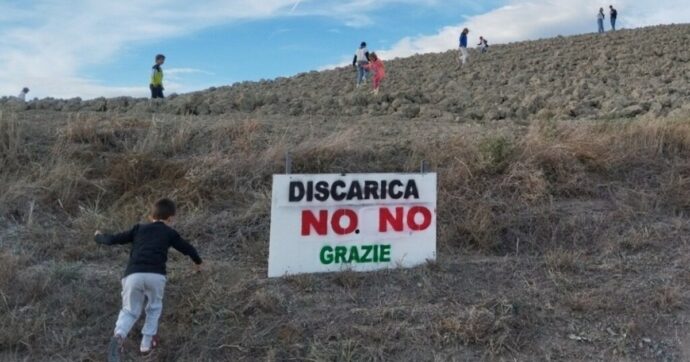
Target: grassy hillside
[563, 210]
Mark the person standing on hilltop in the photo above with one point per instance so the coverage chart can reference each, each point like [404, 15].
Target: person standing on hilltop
[600, 20]
[483, 45]
[360, 61]
[157, 78]
[376, 66]
[464, 55]
[144, 279]
[613, 16]
[22, 94]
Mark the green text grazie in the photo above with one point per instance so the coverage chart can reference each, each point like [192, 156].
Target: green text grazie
[359, 254]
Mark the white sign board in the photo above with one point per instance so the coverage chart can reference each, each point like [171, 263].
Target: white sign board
[360, 222]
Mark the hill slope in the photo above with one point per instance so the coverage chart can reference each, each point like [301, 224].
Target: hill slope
[622, 74]
[559, 238]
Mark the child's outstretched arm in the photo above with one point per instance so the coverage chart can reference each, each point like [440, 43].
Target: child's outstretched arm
[187, 249]
[115, 239]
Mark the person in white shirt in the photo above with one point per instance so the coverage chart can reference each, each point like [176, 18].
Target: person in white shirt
[360, 61]
[22, 95]
[600, 20]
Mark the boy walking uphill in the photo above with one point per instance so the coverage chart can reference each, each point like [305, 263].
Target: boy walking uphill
[144, 277]
[157, 78]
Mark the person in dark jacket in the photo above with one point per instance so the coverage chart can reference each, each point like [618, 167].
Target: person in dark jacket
[144, 277]
[613, 15]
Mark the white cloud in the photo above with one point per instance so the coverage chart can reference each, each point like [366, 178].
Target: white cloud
[355, 13]
[533, 19]
[47, 44]
[54, 41]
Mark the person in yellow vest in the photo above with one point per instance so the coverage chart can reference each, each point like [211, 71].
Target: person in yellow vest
[157, 78]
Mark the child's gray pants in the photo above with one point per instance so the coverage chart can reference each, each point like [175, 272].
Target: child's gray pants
[136, 287]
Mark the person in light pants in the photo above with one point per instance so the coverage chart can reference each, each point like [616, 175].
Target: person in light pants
[143, 284]
[360, 62]
[483, 45]
[464, 54]
[135, 288]
[600, 20]
[22, 94]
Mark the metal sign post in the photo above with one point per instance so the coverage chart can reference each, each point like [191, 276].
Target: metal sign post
[288, 163]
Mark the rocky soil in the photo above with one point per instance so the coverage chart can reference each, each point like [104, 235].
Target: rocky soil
[616, 75]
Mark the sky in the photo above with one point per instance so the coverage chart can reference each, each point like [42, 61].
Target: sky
[93, 48]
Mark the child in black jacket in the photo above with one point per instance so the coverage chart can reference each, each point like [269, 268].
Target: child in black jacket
[144, 277]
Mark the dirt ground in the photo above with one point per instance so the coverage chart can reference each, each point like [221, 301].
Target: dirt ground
[616, 75]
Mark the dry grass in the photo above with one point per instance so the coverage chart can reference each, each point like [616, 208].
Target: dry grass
[590, 302]
[586, 208]
[347, 279]
[8, 273]
[495, 325]
[562, 217]
[564, 260]
[11, 140]
[668, 298]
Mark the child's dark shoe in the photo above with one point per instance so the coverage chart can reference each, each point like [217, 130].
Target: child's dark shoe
[115, 348]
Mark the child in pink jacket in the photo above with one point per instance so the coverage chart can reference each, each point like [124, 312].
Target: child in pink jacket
[376, 66]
